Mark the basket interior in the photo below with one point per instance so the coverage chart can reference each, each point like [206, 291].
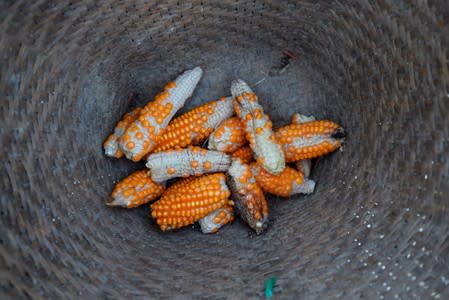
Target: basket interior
[376, 225]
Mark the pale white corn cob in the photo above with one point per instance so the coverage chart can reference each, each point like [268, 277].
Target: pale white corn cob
[186, 162]
[142, 135]
[258, 127]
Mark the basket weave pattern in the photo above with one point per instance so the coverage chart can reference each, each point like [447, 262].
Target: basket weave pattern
[377, 224]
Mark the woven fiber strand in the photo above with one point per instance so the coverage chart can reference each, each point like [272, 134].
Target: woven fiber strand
[377, 225]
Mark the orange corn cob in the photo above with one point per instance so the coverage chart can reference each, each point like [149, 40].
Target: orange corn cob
[248, 196]
[257, 126]
[193, 127]
[189, 200]
[228, 137]
[245, 154]
[186, 162]
[111, 145]
[309, 140]
[289, 182]
[217, 219]
[135, 190]
[142, 135]
[304, 165]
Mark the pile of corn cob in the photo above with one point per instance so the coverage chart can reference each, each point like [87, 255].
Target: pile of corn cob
[244, 157]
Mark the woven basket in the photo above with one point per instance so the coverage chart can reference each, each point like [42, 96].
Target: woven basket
[377, 225]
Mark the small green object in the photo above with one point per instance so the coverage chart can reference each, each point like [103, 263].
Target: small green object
[269, 286]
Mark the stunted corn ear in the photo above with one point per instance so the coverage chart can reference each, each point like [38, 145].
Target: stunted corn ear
[228, 137]
[111, 144]
[217, 219]
[289, 182]
[258, 128]
[189, 200]
[186, 162]
[245, 154]
[142, 135]
[193, 127]
[310, 140]
[249, 198]
[135, 190]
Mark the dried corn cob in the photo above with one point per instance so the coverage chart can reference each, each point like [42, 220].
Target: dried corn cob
[248, 196]
[189, 200]
[193, 127]
[217, 219]
[289, 182]
[141, 136]
[111, 145]
[186, 162]
[309, 140]
[135, 190]
[228, 137]
[257, 126]
[304, 165]
[245, 154]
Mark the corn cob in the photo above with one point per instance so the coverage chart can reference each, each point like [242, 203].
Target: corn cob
[309, 140]
[289, 182]
[111, 145]
[135, 190]
[141, 136]
[248, 196]
[245, 154]
[193, 127]
[304, 165]
[189, 200]
[186, 162]
[258, 128]
[228, 137]
[217, 219]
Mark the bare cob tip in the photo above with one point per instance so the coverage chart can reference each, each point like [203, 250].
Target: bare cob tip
[339, 134]
[261, 225]
[238, 87]
[190, 77]
[111, 202]
[111, 152]
[307, 187]
[196, 71]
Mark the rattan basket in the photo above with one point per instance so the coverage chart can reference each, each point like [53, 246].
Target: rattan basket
[377, 225]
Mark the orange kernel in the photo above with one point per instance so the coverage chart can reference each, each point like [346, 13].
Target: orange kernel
[130, 145]
[207, 165]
